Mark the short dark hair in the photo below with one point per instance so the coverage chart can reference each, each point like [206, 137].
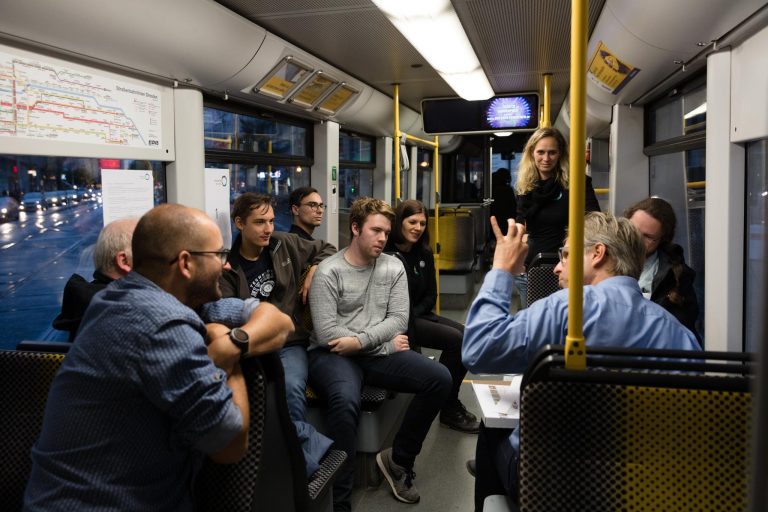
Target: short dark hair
[248, 202]
[365, 206]
[300, 193]
[403, 211]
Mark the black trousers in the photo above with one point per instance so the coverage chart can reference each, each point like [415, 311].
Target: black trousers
[443, 334]
[495, 465]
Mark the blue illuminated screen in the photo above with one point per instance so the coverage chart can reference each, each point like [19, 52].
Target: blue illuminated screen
[509, 112]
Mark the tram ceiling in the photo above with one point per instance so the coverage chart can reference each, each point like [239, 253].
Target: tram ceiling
[516, 41]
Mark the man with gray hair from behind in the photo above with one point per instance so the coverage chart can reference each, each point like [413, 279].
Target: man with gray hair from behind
[112, 259]
[615, 314]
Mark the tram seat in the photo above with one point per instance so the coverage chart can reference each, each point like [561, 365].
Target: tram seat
[381, 412]
[274, 446]
[25, 378]
[457, 239]
[542, 280]
[638, 429]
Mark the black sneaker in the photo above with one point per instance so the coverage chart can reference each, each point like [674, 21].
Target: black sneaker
[457, 417]
[399, 478]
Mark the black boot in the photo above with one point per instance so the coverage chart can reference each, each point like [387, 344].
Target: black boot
[454, 415]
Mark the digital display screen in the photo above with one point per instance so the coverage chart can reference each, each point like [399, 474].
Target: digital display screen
[519, 112]
[508, 112]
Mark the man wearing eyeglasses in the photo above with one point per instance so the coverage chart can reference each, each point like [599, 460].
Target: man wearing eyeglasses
[307, 208]
[147, 391]
[615, 314]
[278, 267]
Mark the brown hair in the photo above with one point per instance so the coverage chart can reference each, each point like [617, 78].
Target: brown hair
[663, 212]
[365, 206]
[403, 211]
[248, 202]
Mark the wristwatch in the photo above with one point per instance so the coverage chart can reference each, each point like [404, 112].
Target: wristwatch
[240, 338]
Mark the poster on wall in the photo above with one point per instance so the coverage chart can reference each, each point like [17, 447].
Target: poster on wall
[126, 193]
[48, 99]
[217, 201]
[609, 72]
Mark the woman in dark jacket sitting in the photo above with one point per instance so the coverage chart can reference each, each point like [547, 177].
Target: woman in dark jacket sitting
[409, 241]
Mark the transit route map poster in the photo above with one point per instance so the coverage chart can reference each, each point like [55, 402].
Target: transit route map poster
[44, 98]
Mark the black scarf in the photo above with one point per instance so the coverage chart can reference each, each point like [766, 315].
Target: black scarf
[545, 192]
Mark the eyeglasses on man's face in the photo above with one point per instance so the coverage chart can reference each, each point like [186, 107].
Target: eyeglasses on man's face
[562, 253]
[223, 255]
[314, 206]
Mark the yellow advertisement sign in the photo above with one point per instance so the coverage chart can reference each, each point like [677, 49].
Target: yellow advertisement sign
[609, 72]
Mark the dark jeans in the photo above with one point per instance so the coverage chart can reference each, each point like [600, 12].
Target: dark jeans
[446, 335]
[339, 380]
[495, 465]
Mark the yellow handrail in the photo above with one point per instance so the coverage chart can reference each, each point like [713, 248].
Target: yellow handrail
[575, 353]
[546, 118]
[435, 162]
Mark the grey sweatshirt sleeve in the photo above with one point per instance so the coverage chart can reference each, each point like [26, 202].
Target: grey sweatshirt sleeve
[323, 303]
[396, 319]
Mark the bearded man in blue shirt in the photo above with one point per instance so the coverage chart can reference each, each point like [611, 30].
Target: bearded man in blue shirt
[146, 391]
[615, 314]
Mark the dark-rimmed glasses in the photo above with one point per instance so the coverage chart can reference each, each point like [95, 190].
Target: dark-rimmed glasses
[223, 255]
[562, 253]
[314, 206]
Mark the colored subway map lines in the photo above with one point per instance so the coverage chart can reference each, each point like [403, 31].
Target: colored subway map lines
[45, 99]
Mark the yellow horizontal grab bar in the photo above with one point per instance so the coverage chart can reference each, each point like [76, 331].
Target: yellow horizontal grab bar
[602, 190]
[417, 139]
[696, 184]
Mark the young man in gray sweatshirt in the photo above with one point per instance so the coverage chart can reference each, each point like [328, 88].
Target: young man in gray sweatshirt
[359, 305]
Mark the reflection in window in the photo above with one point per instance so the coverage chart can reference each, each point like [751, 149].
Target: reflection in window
[354, 183]
[55, 217]
[425, 179]
[755, 239]
[275, 180]
[240, 132]
[695, 111]
[354, 148]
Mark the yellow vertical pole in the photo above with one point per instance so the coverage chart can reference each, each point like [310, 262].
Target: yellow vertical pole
[397, 145]
[269, 168]
[436, 171]
[575, 353]
[546, 118]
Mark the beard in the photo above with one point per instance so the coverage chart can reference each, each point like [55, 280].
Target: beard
[204, 289]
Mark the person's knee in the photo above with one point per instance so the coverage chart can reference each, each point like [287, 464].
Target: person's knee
[438, 379]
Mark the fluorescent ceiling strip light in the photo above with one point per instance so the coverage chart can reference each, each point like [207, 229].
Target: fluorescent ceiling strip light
[434, 29]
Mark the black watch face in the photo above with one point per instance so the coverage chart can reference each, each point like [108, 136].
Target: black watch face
[239, 335]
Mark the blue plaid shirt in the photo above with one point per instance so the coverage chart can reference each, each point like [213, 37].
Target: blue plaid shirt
[135, 406]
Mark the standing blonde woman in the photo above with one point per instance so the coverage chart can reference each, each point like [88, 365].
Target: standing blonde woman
[542, 195]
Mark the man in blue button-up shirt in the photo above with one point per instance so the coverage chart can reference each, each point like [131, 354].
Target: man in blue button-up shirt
[140, 398]
[615, 314]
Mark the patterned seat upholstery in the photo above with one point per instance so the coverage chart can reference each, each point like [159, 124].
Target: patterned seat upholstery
[542, 280]
[25, 378]
[273, 444]
[645, 430]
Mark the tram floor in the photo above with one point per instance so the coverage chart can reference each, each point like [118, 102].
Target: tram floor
[441, 474]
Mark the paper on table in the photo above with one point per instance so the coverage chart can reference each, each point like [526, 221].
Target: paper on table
[499, 401]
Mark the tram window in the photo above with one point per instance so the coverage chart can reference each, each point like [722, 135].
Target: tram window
[695, 111]
[275, 180]
[463, 180]
[59, 219]
[252, 134]
[356, 148]
[354, 183]
[756, 238]
[425, 179]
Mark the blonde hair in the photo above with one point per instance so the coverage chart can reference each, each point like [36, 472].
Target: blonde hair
[528, 174]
